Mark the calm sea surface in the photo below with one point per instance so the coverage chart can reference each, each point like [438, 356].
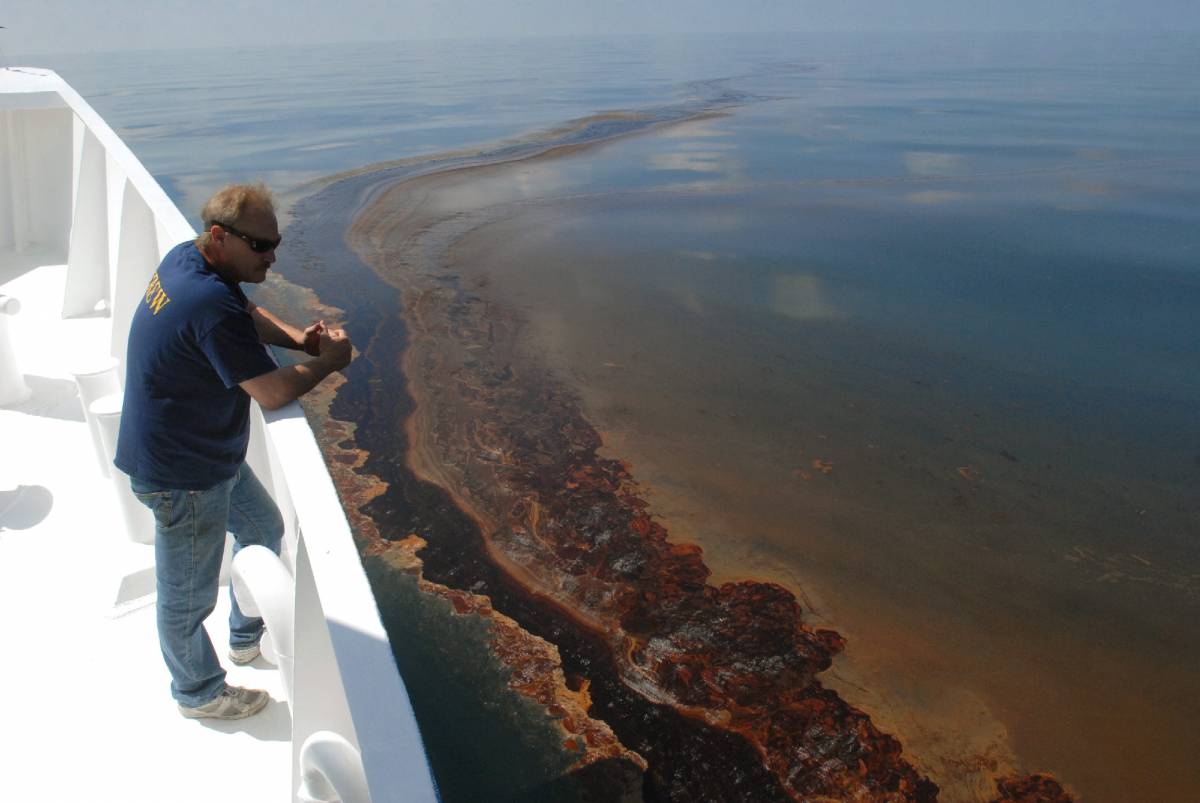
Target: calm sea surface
[913, 326]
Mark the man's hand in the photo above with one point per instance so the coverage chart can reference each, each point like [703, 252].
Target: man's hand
[335, 349]
[311, 343]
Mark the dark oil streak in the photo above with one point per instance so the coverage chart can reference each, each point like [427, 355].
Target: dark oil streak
[688, 761]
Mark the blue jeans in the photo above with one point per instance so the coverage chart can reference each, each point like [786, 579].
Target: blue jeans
[188, 546]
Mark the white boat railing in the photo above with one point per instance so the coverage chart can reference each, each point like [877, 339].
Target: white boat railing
[71, 192]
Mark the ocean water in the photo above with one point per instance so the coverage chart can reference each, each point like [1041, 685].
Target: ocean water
[199, 118]
[909, 325]
[947, 404]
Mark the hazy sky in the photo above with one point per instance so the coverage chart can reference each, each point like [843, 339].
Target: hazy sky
[52, 26]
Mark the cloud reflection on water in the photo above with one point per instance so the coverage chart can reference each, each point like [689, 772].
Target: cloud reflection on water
[801, 297]
[692, 161]
[933, 197]
[692, 129]
[533, 179]
[929, 163]
[699, 151]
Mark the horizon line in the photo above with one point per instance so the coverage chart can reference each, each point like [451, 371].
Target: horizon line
[524, 36]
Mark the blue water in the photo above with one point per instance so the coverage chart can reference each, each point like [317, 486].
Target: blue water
[905, 254]
[198, 118]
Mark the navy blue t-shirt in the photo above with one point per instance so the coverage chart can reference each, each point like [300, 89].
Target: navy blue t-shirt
[185, 422]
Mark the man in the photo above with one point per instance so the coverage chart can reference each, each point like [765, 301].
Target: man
[195, 360]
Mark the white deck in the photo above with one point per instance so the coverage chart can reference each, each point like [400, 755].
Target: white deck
[88, 714]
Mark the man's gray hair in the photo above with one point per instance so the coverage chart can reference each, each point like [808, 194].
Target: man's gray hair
[230, 203]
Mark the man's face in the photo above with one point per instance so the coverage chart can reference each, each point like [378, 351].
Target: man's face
[238, 261]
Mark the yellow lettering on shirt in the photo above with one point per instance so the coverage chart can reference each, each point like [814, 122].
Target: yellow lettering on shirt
[156, 297]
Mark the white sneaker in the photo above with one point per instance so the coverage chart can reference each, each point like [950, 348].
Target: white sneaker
[233, 702]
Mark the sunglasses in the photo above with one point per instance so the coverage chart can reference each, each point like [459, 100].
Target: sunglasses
[256, 245]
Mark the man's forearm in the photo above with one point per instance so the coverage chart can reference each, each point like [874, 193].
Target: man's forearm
[273, 331]
[288, 383]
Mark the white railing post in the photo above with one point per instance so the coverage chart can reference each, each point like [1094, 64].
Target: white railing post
[137, 259]
[331, 771]
[94, 382]
[87, 257]
[17, 171]
[139, 521]
[319, 696]
[13, 389]
[265, 588]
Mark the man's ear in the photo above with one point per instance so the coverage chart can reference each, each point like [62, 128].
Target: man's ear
[216, 237]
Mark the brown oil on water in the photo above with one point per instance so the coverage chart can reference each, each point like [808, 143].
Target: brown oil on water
[758, 582]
